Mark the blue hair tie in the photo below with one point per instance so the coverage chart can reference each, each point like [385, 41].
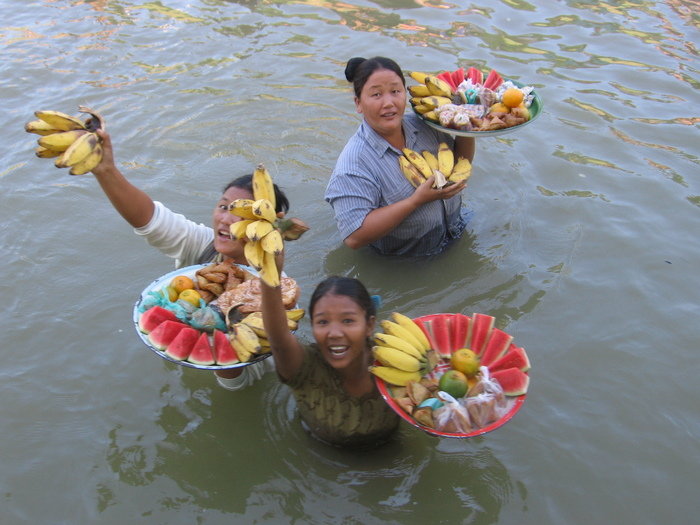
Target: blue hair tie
[377, 301]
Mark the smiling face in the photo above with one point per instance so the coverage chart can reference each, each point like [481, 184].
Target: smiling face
[221, 222]
[383, 102]
[341, 328]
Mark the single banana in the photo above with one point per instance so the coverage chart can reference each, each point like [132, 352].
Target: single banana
[238, 229]
[262, 185]
[243, 208]
[45, 153]
[430, 159]
[446, 159]
[272, 242]
[432, 116]
[422, 109]
[418, 161]
[40, 127]
[253, 252]
[411, 172]
[245, 340]
[419, 90]
[418, 76]
[62, 140]
[393, 328]
[60, 121]
[461, 171]
[263, 209]
[438, 87]
[268, 271]
[394, 376]
[255, 323]
[89, 163]
[79, 150]
[410, 325]
[383, 339]
[392, 357]
[435, 101]
[295, 314]
[256, 230]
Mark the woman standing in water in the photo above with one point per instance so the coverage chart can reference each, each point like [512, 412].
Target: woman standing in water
[374, 204]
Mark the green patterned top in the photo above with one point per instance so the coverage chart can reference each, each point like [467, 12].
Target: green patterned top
[334, 416]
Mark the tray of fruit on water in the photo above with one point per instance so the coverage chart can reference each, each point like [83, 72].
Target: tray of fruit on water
[449, 374]
[467, 103]
[209, 316]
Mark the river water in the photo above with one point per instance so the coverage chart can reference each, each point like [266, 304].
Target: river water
[581, 245]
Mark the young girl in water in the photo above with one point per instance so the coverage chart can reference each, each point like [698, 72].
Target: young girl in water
[336, 395]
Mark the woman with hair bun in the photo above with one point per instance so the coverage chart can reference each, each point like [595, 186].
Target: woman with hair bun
[373, 202]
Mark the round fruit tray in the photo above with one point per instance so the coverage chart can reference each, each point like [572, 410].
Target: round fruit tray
[156, 286]
[535, 110]
[459, 331]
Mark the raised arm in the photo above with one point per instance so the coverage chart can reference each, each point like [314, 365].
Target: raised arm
[286, 349]
[131, 202]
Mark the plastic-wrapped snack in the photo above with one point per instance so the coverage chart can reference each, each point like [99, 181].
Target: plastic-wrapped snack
[487, 97]
[452, 417]
[207, 319]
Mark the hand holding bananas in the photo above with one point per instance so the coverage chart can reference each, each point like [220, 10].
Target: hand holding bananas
[263, 232]
[73, 142]
[419, 167]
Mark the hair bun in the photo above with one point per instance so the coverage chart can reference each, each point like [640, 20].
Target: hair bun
[351, 67]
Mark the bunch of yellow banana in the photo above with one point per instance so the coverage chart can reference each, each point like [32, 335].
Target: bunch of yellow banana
[248, 337]
[418, 167]
[402, 350]
[430, 93]
[72, 141]
[257, 227]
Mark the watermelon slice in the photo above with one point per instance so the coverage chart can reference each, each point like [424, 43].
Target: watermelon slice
[481, 330]
[181, 347]
[162, 335]
[441, 335]
[460, 330]
[475, 75]
[153, 317]
[493, 80]
[496, 346]
[223, 351]
[513, 381]
[515, 357]
[202, 353]
[458, 77]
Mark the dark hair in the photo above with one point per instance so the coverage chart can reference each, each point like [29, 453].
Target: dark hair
[348, 287]
[359, 69]
[245, 182]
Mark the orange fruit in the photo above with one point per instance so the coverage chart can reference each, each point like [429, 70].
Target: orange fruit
[190, 296]
[499, 107]
[180, 283]
[466, 361]
[454, 383]
[512, 97]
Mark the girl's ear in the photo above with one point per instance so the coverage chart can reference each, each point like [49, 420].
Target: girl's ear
[371, 323]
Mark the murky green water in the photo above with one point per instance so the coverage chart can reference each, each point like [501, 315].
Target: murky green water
[583, 245]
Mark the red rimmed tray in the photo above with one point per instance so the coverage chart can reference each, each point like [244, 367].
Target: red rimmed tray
[449, 332]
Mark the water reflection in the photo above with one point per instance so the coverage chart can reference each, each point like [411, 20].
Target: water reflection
[246, 453]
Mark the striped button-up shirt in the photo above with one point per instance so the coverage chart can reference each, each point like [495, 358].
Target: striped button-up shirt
[367, 176]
